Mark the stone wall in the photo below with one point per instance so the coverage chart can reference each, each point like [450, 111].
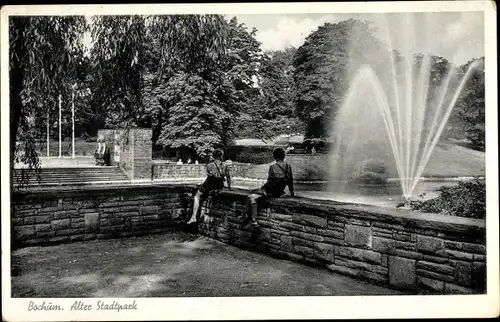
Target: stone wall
[57, 216]
[406, 250]
[163, 170]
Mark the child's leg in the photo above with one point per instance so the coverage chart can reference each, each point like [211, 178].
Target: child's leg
[253, 209]
[196, 206]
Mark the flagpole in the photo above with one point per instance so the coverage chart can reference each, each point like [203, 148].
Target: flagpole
[73, 122]
[48, 135]
[60, 121]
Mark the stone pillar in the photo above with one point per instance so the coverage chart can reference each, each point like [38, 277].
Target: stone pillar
[132, 150]
[142, 154]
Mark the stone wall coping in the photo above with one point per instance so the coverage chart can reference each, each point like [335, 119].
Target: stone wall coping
[104, 189]
[399, 216]
[160, 162]
[320, 208]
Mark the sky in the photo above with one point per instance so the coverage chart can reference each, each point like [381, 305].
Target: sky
[456, 36]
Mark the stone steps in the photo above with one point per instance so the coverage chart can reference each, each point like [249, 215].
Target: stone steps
[58, 176]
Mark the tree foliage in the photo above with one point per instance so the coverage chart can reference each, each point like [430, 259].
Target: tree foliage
[194, 116]
[323, 68]
[118, 61]
[469, 114]
[219, 62]
[44, 55]
[273, 112]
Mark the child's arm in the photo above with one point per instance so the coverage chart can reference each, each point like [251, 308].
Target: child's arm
[290, 181]
[228, 176]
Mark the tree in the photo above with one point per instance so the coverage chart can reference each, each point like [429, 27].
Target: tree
[191, 51]
[241, 75]
[195, 118]
[275, 113]
[44, 53]
[222, 87]
[118, 56]
[324, 65]
[470, 108]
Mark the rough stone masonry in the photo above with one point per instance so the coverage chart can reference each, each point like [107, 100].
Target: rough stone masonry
[406, 250]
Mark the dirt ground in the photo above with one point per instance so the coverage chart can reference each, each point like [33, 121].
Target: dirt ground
[176, 264]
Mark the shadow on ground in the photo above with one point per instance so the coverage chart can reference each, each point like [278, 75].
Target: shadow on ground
[169, 265]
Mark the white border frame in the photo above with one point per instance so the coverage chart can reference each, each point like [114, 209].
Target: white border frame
[322, 307]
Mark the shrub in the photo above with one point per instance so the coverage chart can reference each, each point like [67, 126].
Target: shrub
[250, 154]
[467, 199]
[371, 172]
[254, 157]
[370, 178]
[372, 165]
[85, 136]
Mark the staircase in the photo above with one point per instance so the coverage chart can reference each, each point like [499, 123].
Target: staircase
[71, 176]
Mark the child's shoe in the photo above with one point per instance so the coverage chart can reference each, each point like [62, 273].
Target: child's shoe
[253, 224]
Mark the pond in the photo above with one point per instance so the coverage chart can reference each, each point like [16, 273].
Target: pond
[388, 195]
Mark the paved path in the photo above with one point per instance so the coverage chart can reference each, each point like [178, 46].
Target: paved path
[169, 265]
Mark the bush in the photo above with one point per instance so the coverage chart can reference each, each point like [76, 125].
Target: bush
[250, 154]
[371, 172]
[85, 136]
[254, 157]
[467, 199]
[370, 178]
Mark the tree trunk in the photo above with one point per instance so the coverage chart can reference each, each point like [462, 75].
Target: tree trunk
[16, 82]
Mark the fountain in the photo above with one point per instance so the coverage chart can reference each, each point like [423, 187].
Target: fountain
[392, 118]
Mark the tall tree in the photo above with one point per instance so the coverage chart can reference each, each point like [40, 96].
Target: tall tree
[191, 50]
[217, 91]
[44, 55]
[470, 108]
[324, 65]
[241, 75]
[274, 112]
[118, 56]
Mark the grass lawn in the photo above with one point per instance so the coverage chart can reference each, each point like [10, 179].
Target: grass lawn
[447, 160]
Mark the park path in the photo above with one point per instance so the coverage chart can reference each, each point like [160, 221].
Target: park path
[169, 265]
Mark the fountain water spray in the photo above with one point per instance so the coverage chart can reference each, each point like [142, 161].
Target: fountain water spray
[412, 122]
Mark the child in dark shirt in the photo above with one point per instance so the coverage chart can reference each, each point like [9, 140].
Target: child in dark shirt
[280, 176]
[217, 174]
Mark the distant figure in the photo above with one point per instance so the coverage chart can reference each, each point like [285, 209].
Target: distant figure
[189, 161]
[289, 149]
[99, 152]
[107, 156]
[179, 162]
[313, 151]
[229, 165]
[217, 174]
[196, 162]
[280, 176]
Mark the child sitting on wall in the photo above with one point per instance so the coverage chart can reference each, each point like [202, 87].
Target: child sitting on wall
[217, 173]
[280, 176]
